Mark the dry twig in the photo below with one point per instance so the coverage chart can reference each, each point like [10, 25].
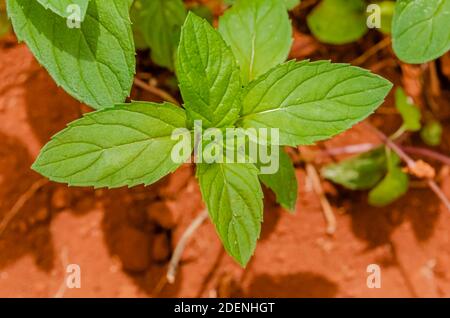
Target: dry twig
[363, 147]
[330, 219]
[372, 51]
[155, 91]
[20, 203]
[181, 245]
[64, 261]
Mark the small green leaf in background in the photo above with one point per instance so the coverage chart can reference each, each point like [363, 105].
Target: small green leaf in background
[421, 30]
[283, 183]
[311, 101]
[160, 22]
[259, 33]
[234, 198]
[60, 7]
[362, 172]
[94, 63]
[410, 113]
[431, 133]
[208, 75]
[394, 185]
[387, 13]
[128, 145]
[338, 21]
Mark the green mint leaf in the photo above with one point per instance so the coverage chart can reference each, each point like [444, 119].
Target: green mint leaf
[312, 101]
[421, 30]
[160, 22]
[410, 113]
[259, 33]
[431, 133]
[64, 8]
[392, 187]
[283, 183]
[129, 144]
[338, 21]
[233, 196]
[94, 63]
[361, 172]
[208, 75]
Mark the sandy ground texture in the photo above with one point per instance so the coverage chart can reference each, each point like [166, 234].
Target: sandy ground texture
[122, 239]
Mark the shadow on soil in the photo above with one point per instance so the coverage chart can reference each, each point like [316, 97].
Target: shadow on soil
[299, 285]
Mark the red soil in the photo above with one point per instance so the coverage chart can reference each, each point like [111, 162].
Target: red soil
[122, 242]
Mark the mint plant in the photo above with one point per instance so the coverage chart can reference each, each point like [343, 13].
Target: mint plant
[379, 170]
[420, 28]
[345, 21]
[338, 21]
[230, 78]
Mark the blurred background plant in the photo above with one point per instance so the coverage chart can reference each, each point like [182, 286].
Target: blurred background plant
[4, 23]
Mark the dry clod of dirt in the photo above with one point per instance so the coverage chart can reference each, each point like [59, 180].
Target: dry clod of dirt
[164, 213]
[21, 227]
[161, 248]
[60, 198]
[133, 249]
[422, 170]
[175, 182]
[42, 215]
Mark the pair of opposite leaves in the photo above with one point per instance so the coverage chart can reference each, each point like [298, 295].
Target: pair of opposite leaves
[306, 101]
[420, 28]
[378, 170]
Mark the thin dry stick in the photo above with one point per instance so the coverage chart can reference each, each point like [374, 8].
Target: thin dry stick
[363, 147]
[372, 51]
[349, 150]
[427, 153]
[330, 219]
[175, 260]
[64, 261]
[20, 203]
[155, 91]
[411, 164]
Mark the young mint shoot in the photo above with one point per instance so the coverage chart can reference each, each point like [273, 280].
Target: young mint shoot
[420, 29]
[379, 170]
[233, 77]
